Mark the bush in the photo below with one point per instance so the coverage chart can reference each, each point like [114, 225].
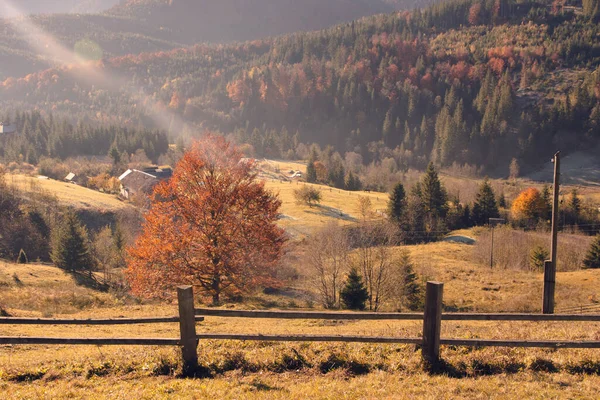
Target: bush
[22, 259]
[537, 257]
[354, 294]
[592, 259]
[307, 195]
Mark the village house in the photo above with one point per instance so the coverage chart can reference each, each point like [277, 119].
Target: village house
[135, 181]
[7, 128]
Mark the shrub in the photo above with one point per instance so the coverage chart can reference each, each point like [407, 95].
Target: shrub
[537, 257]
[307, 195]
[592, 259]
[22, 259]
[354, 294]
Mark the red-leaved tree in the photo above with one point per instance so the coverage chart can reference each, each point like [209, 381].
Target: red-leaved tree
[213, 225]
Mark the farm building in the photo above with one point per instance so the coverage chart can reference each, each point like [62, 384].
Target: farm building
[135, 181]
[7, 128]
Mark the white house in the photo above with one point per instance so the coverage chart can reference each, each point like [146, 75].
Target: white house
[7, 128]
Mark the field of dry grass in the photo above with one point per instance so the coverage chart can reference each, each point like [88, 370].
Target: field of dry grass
[301, 370]
[67, 193]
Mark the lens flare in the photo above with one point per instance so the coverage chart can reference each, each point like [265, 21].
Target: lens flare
[46, 46]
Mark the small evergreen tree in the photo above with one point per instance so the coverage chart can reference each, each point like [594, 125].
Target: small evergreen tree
[70, 248]
[592, 259]
[537, 258]
[311, 170]
[502, 201]
[22, 257]
[433, 194]
[412, 291]
[485, 206]
[354, 294]
[397, 203]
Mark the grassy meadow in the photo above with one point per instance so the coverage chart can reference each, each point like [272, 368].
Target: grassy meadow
[301, 370]
[263, 370]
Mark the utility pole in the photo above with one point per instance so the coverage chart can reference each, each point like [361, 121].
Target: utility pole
[550, 265]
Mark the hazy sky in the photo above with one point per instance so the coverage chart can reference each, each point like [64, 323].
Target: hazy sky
[61, 6]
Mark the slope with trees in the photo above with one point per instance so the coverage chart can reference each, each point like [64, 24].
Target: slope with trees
[464, 82]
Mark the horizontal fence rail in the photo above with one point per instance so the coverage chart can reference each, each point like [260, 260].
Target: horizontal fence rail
[392, 316]
[110, 321]
[308, 315]
[309, 338]
[552, 344]
[188, 316]
[89, 341]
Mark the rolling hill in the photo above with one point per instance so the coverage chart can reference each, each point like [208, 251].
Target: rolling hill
[456, 83]
[133, 27]
[235, 20]
[59, 6]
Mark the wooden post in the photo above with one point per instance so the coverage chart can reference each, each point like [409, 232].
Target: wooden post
[549, 287]
[432, 322]
[550, 271]
[187, 328]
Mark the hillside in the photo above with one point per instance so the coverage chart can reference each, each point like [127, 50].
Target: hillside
[59, 6]
[456, 83]
[303, 370]
[133, 27]
[236, 20]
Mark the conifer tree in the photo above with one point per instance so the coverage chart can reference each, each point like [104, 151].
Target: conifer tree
[485, 206]
[397, 203]
[592, 259]
[311, 171]
[22, 257]
[354, 294]
[433, 194]
[70, 249]
[412, 292]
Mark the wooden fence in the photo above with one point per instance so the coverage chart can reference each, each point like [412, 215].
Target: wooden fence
[188, 338]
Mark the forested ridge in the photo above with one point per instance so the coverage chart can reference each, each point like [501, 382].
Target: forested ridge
[464, 81]
[132, 27]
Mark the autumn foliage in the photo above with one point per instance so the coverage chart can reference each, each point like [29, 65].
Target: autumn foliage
[212, 225]
[528, 205]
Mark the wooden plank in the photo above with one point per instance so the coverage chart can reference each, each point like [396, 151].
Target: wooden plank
[308, 338]
[110, 321]
[549, 287]
[308, 314]
[187, 328]
[432, 322]
[520, 317]
[88, 341]
[522, 343]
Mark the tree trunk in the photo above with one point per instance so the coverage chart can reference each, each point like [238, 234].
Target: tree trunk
[216, 289]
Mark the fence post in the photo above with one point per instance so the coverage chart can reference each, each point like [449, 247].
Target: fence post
[432, 322]
[549, 287]
[187, 328]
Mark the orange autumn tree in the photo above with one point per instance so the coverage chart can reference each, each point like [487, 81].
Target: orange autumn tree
[213, 225]
[528, 205]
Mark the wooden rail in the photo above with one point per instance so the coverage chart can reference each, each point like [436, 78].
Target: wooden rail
[393, 316]
[110, 321]
[308, 315]
[89, 341]
[188, 316]
[309, 338]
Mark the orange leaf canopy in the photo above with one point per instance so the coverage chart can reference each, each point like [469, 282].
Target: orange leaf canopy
[213, 224]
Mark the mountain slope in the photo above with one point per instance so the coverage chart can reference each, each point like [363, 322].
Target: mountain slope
[459, 82]
[227, 20]
[139, 26]
[59, 6]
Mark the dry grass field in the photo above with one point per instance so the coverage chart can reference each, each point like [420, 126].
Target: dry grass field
[301, 370]
[67, 193]
[269, 370]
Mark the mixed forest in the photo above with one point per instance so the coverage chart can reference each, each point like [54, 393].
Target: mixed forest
[467, 82]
